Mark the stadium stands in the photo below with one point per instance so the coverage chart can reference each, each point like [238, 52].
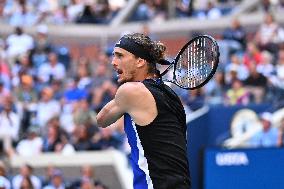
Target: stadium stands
[55, 74]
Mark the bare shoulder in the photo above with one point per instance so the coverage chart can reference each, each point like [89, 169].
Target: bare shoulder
[131, 94]
[131, 89]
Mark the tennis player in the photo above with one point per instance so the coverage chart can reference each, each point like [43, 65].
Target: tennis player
[154, 117]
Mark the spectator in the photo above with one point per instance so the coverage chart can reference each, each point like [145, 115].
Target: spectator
[233, 41]
[83, 114]
[57, 180]
[231, 75]
[211, 12]
[3, 92]
[73, 92]
[20, 13]
[87, 177]
[9, 123]
[84, 73]
[61, 16]
[276, 81]
[44, 10]
[266, 67]
[82, 140]
[237, 94]
[256, 84]
[5, 73]
[26, 171]
[86, 184]
[160, 13]
[4, 183]
[87, 16]
[64, 146]
[26, 99]
[53, 70]
[70, 104]
[142, 13]
[215, 89]
[267, 36]
[42, 46]
[74, 9]
[58, 90]
[252, 55]
[18, 43]
[103, 11]
[237, 34]
[53, 135]
[280, 70]
[151, 10]
[3, 176]
[26, 183]
[267, 137]
[104, 88]
[184, 8]
[22, 67]
[31, 145]
[110, 138]
[116, 5]
[195, 99]
[236, 65]
[266, 6]
[47, 176]
[47, 107]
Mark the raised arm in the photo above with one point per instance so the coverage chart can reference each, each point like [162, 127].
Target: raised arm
[133, 98]
[109, 114]
[115, 109]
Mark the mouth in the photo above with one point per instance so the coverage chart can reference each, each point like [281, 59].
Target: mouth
[119, 72]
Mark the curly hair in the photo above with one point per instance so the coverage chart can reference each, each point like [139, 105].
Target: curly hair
[156, 49]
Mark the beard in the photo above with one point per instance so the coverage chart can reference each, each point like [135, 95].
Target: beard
[126, 76]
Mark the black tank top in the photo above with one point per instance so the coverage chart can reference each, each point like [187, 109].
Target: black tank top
[159, 152]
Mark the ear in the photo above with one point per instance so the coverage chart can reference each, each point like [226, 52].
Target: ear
[141, 62]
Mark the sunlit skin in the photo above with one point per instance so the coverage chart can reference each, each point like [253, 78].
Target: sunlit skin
[129, 67]
[132, 96]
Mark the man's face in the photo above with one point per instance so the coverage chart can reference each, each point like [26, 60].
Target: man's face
[265, 125]
[124, 64]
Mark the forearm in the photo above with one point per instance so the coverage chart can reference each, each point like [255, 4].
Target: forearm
[109, 114]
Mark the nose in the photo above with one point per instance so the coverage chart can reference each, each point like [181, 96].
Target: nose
[114, 62]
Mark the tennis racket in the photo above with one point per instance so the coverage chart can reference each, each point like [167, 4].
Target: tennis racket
[195, 64]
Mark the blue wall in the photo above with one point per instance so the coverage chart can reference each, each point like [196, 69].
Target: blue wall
[244, 169]
[210, 130]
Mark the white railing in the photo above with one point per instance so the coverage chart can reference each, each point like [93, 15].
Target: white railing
[116, 159]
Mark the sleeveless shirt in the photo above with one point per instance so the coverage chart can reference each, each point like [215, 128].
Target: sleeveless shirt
[158, 150]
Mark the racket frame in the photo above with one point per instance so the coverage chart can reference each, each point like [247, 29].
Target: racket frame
[216, 55]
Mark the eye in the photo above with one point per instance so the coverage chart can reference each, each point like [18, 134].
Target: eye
[117, 55]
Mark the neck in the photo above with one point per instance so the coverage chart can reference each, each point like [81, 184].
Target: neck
[143, 76]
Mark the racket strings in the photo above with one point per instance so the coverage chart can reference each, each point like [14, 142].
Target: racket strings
[195, 63]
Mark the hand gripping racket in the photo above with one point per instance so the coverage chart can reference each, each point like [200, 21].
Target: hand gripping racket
[195, 64]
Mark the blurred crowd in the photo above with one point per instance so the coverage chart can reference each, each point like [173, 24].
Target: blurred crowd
[34, 12]
[250, 70]
[51, 178]
[48, 105]
[49, 101]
